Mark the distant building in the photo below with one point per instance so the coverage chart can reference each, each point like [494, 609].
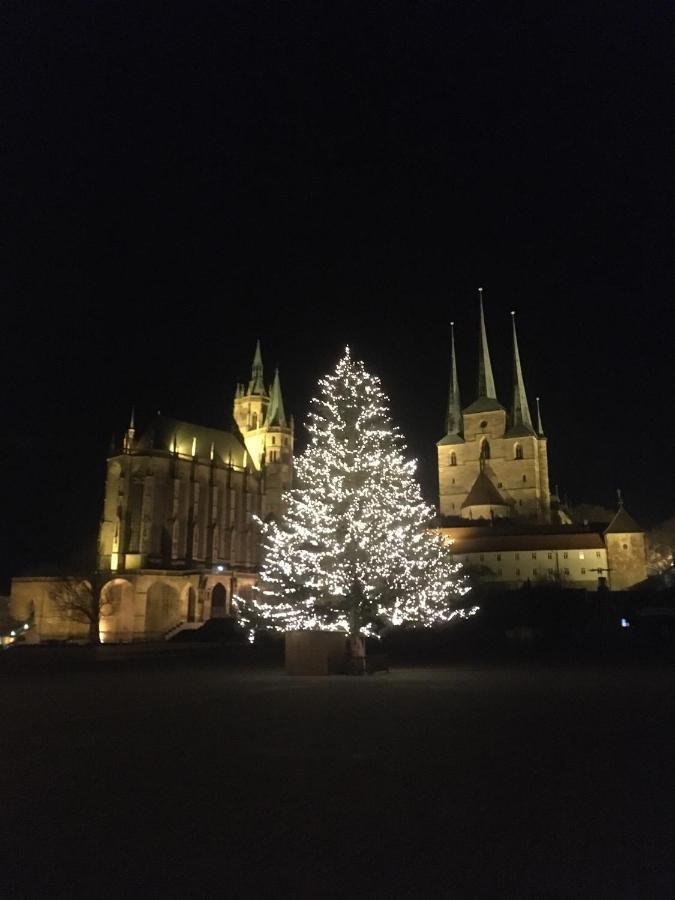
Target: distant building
[495, 500]
[512, 553]
[178, 532]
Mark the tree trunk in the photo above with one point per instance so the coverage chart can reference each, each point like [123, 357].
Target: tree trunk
[94, 637]
[357, 643]
[95, 616]
[357, 654]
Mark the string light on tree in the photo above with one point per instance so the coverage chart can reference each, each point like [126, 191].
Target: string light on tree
[354, 552]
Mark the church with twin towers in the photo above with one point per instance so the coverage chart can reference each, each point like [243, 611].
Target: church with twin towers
[492, 460]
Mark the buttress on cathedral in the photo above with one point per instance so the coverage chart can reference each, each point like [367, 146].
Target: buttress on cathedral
[179, 533]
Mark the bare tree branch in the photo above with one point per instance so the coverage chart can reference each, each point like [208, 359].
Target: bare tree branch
[82, 600]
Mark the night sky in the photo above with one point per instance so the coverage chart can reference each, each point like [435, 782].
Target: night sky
[180, 179]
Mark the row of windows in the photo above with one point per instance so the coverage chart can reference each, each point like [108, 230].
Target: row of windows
[485, 452]
[565, 555]
[535, 572]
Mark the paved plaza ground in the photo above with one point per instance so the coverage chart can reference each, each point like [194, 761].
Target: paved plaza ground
[186, 778]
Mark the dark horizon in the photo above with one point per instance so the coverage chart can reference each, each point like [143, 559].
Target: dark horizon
[179, 183]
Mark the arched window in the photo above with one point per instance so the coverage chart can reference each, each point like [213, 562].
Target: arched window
[254, 421]
[517, 451]
[453, 458]
[218, 602]
[485, 450]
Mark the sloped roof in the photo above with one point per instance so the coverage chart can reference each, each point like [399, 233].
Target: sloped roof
[520, 430]
[483, 493]
[163, 431]
[623, 523]
[276, 415]
[495, 542]
[484, 404]
[450, 438]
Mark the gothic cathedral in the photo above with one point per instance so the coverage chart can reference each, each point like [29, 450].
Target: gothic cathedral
[184, 496]
[492, 463]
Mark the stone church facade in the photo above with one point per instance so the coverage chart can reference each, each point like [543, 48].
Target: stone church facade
[179, 534]
[495, 501]
[492, 463]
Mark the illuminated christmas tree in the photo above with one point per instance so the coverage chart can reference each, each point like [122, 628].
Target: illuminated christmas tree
[353, 552]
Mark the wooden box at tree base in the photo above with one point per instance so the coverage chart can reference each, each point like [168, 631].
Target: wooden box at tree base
[315, 652]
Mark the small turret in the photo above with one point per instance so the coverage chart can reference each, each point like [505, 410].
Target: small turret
[626, 551]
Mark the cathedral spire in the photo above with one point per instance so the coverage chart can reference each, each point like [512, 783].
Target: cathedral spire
[131, 431]
[486, 381]
[454, 417]
[256, 385]
[520, 411]
[276, 414]
[540, 428]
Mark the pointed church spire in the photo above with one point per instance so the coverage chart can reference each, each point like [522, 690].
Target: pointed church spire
[131, 431]
[540, 428]
[454, 417]
[520, 411]
[275, 412]
[486, 381]
[256, 385]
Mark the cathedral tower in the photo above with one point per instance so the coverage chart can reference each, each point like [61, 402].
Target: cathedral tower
[267, 433]
[250, 408]
[492, 464]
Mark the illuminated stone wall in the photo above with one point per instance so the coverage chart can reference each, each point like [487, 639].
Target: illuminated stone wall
[571, 567]
[166, 510]
[523, 482]
[627, 559]
[278, 474]
[270, 449]
[143, 605]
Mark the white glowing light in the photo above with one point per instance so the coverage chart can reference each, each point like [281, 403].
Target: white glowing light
[354, 552]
